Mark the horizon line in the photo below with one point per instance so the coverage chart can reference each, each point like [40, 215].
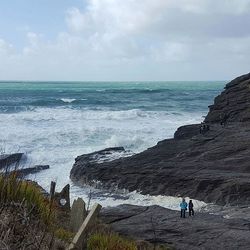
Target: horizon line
[111, 81]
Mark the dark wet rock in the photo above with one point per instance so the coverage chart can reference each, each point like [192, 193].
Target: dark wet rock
[102, 155]
[185, 132]
[160, 225]
[111, 150]
[233, 104]
[8, 159]
[32, 170]
[213, 166]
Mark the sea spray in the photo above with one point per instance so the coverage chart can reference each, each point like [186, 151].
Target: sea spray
[53, 123]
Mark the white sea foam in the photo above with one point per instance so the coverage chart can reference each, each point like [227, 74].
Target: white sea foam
[68, 100]
[55, 136]
[110, 199]
[107, 199]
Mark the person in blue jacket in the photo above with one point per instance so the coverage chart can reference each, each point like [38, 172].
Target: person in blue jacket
[183, 206]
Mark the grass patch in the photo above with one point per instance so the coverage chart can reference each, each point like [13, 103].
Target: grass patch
[28, 218]
[15, 190]
[109, 241]
[64, 234]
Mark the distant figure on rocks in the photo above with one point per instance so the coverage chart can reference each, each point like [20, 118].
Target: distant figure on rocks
[204, 128]
[191, 208]
[201, 128]
[183, 206]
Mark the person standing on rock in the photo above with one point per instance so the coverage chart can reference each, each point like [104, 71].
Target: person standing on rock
[183, 206]
[191, 208]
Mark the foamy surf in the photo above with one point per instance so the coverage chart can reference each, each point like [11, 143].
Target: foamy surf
[56, 136]
[111, 199]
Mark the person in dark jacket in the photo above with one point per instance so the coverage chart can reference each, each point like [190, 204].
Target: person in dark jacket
[183, 206]
[191, 208]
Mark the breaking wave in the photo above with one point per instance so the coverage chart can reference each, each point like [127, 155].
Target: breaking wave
[53, 123]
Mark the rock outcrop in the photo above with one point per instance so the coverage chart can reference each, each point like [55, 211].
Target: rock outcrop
[213, 166]
[32, 170]
[233, 104]
[8, 159]
[160, 225]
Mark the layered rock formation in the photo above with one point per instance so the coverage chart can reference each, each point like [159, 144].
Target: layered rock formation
[213, 166]
[160, 225]
[233, 104]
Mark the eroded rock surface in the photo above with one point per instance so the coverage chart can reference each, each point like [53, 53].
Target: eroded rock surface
[233, 104]
[160, 225]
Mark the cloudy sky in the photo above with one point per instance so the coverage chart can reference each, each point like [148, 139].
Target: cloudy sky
[124, 39]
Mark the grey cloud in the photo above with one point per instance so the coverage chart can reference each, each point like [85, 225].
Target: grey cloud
[139, 40]
[179, 24]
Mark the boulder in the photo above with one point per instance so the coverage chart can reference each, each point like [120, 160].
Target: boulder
[7, 160]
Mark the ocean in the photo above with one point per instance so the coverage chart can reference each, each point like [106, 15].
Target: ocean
[54, 122]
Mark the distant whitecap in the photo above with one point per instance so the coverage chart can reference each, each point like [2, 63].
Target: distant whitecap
[68, 100]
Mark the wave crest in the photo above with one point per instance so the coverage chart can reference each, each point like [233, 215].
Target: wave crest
[68, 100]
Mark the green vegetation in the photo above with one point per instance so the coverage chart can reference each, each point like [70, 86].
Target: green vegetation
[13, 189]
[29, 218]
[64, 234]
[109, 241]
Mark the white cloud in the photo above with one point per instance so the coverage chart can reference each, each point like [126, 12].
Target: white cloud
[170, 52]
[5, 48]
[138, 40]
[76, 20]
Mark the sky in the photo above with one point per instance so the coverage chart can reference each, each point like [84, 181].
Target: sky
[124, 40]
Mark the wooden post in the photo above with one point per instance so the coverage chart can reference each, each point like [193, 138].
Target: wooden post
[79, 237]
[78, 214]
[52, 190]
[63, 198]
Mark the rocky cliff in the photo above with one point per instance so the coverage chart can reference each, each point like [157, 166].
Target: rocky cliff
[233, 104]
[213, 166]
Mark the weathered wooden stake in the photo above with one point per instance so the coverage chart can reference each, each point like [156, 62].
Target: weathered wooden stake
[52, 190]
[79, 237]
[77, 214]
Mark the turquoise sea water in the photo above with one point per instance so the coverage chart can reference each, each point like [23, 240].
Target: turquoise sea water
[53, 122]
[157, 96]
